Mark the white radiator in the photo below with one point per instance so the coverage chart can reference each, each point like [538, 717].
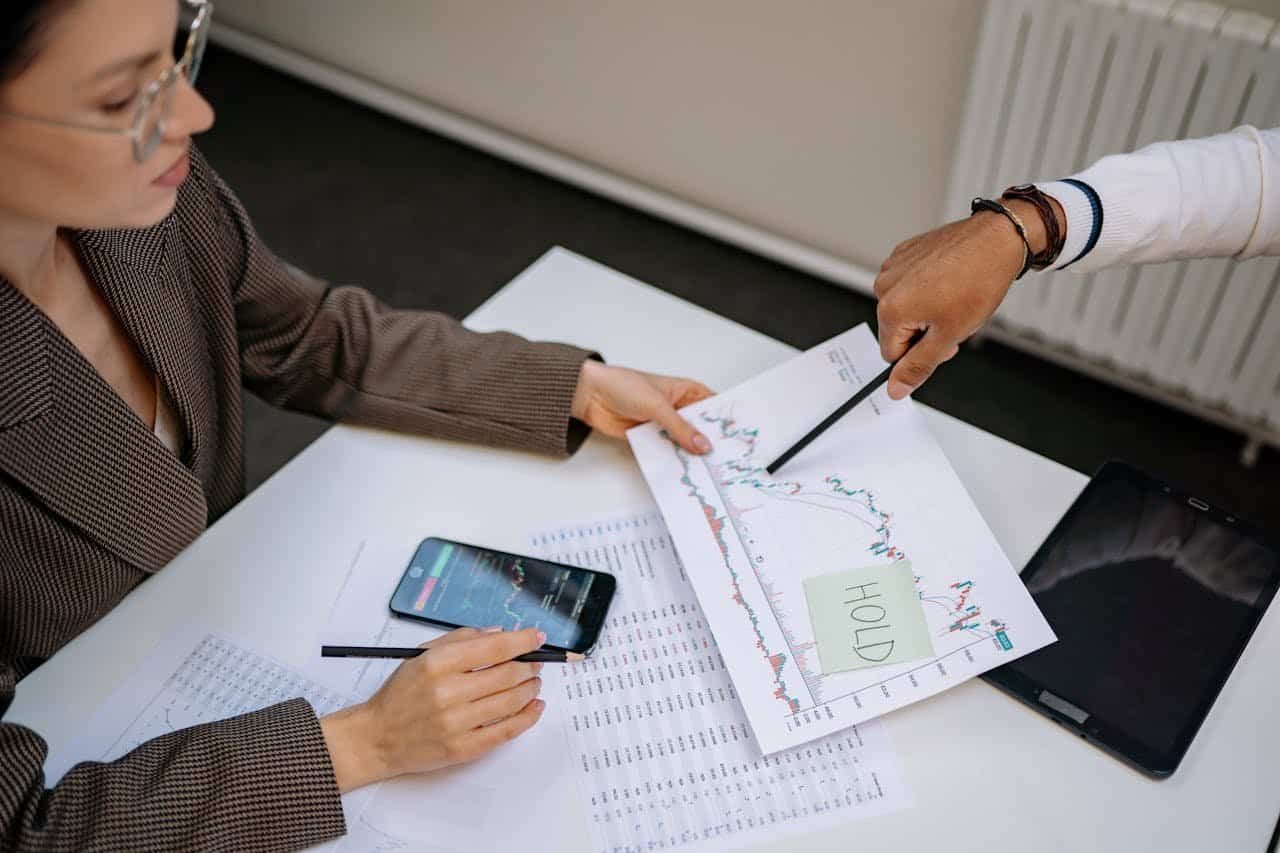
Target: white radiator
[1059, 83]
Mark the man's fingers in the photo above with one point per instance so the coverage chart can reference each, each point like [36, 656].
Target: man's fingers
[890, 273]
[681, 431]
[897, 330]
[918, 364]
[485, 650]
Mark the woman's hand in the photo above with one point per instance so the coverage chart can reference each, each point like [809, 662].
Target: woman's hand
[448, 706]
[614, 399]
[943, 285]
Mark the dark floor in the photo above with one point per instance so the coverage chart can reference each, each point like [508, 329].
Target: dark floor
[357, 197]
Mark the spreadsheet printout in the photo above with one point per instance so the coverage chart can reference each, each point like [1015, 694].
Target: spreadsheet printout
[659, 741]
[646, 737]
[193, 677]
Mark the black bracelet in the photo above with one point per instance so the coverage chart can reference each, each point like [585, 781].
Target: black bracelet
[996, 207]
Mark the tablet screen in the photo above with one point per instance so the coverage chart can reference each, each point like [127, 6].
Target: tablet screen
[1152, 598]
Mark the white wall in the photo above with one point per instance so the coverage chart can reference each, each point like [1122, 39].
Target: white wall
[828, 122]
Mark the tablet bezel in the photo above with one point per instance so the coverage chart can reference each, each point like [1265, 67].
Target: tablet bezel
[1116, 741]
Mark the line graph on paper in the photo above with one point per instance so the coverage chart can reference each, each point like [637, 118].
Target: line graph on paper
[874, 489]
[857, 524]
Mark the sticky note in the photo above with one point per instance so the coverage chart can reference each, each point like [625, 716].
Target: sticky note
[867, 617]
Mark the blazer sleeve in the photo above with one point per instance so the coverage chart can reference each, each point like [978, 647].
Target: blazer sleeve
[339, 353]
[260, 781]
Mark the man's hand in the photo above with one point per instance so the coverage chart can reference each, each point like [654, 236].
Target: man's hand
[940, 287]
[614, 399]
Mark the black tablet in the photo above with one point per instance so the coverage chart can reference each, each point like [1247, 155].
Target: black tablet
[1153, 594]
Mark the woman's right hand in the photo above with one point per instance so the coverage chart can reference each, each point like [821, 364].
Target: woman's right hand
[449, 706]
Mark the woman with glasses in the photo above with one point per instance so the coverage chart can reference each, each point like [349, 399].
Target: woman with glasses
[136, 301]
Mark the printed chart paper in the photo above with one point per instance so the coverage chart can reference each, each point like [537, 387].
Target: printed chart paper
[874, 487]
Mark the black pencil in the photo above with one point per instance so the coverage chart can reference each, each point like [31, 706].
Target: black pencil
[536, 656]
[863, 393]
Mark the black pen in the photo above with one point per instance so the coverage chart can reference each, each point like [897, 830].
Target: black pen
[535, 656]
[863, 393]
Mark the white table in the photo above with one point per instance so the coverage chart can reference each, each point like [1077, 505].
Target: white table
[986, 772]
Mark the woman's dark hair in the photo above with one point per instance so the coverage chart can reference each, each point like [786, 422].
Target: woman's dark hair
[21, 24]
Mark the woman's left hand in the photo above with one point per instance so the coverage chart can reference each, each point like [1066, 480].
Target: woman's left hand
[614, 399]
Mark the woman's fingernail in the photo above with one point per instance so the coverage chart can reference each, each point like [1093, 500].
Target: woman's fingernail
[542, 638]
[700, 441]
[538, 705]
[492, 629]
[898, 390]
[537, 668]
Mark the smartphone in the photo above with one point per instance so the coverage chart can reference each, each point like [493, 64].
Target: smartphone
[456, 585]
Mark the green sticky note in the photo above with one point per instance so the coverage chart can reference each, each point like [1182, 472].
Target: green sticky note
[867, 617]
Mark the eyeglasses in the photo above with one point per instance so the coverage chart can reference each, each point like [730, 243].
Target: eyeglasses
[155, 103]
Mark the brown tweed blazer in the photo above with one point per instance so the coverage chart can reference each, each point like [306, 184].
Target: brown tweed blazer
[91, 503]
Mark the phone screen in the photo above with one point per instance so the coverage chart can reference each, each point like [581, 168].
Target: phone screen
[453, 584]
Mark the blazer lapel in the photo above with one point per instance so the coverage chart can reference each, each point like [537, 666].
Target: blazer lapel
[68, 438]
[144, 276]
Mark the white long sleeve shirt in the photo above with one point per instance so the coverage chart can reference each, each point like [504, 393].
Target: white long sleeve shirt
[1194, 198]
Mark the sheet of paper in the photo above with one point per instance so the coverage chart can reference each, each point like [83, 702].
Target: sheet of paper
[871, 616]
[460, 808]
[658, 740]
[650, 727]
[193, 677]
[874, 487]
[646, 745]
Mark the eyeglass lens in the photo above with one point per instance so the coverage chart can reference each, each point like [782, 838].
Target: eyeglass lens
[155, 110]
[151, 120]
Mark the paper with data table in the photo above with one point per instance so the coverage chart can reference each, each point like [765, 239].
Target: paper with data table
[645, 742]
[657, 738]
[874, 487]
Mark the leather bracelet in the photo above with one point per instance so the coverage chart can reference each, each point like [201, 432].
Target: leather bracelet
[1055, 236]
[996, 207]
